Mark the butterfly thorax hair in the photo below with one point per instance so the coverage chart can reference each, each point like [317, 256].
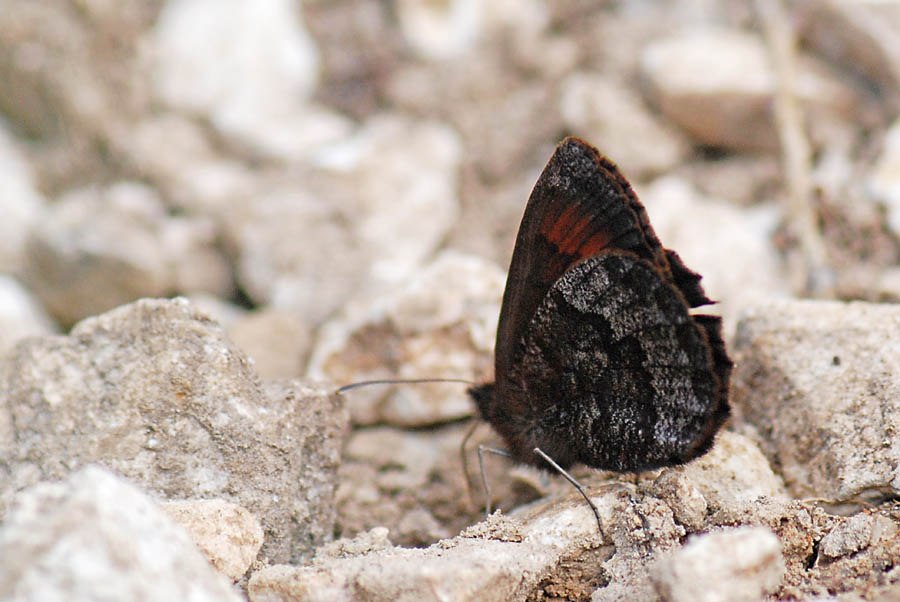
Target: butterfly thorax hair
[521, 431]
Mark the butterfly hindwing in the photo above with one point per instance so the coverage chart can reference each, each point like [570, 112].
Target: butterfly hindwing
[613, 359]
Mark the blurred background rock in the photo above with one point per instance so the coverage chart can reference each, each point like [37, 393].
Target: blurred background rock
[294, 157]
[339, 182]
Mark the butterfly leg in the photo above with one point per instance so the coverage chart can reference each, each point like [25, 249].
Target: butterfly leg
[645, 524]
[465, 460]
[574, 483]
[484, 481]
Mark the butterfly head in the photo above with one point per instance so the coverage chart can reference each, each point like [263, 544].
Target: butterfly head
[483, 396]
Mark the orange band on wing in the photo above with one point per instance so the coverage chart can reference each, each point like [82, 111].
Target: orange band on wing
[571, 232]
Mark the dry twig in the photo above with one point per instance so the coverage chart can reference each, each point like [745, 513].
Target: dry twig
[818, 277]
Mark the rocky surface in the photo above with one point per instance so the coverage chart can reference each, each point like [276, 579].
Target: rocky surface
[717, 84]
[810, 376]
[154, 391]
[94, 536]
[22, 203]
[862, 39]
[413, 333]
[97, 248]
[738, 564]
[21, 314]
[884, 180]
[336, 186]
[612, 116]
[227, 534]
[553, 547]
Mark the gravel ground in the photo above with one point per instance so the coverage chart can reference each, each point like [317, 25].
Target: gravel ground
[216, 212]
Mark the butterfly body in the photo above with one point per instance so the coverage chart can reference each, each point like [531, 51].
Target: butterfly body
[598, 359]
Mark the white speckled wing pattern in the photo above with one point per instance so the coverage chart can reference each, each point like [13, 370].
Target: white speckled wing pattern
[613, 359]
[598, 358]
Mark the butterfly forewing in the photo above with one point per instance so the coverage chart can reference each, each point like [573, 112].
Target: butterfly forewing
[580, 207]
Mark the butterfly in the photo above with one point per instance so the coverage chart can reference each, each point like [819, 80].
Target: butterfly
[599, 359]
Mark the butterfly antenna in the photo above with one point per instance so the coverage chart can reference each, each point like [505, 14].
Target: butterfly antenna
[402, 381]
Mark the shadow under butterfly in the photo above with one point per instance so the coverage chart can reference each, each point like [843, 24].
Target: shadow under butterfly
[599, 360]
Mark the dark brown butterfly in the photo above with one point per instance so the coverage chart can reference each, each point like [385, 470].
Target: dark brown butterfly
[598, 359]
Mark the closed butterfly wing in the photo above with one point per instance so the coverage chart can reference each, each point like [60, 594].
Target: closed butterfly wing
[614, 372]
[581, 215]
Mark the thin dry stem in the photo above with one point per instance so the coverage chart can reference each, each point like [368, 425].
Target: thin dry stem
[818, 278]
